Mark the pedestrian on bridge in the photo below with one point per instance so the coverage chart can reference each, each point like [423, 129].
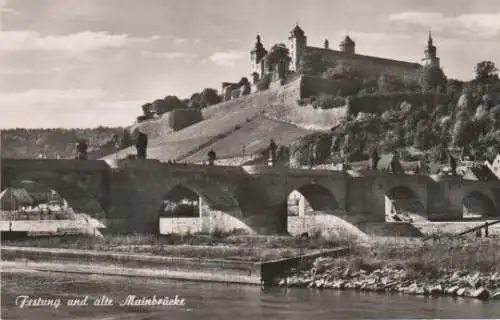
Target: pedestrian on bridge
[272, 150]
[81, 149]
[141, 145]
[211, 157]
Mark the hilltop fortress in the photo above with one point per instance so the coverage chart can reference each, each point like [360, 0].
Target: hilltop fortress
[298, 48]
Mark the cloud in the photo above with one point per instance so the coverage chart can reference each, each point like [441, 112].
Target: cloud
[372, 36]
[176, 55]
[180, 40]
[67, 108]
[484, 26]
[13, 41]
[8, 10]
[226, 59]
[49, 97]
[19, 71]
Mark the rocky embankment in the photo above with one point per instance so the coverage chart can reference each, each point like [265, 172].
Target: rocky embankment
[325, 274]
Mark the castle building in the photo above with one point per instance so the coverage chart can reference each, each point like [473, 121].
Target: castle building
[297, 46]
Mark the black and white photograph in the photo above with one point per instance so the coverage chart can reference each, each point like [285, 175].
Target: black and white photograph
[249, 159]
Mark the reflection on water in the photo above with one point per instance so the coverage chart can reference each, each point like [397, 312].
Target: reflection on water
[219, 301]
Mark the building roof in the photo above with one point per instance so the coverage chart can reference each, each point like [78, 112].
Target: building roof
[297, 31]
[347, 41]
[341, 54]
[480, 173]
[384, 163]
[13, 198]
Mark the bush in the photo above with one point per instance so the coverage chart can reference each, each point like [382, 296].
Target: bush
[326, 102]
[264, 82]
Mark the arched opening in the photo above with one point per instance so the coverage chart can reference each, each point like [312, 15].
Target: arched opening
[199, 208]
[52, 206]
[402, 205]
[476, 205]
[312, 208]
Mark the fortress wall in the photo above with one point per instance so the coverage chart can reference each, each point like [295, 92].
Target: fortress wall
[168, 122]
[379, 103]
[369, 65]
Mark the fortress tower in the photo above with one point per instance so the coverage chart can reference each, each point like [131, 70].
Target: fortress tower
[296, 44]
[430, 52]
[256, 56]
[348, 46]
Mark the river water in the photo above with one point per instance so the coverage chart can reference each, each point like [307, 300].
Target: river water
[204, 300]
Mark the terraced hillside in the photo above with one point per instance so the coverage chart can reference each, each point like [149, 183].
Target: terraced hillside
[249, 121]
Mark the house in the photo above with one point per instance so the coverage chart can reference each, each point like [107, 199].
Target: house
[479, 173]
[495, 166]
[384, 163]
[14, 199]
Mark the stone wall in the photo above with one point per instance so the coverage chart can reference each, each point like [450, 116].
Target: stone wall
[325, 224]
[182, 118]
[180, 225]
[369, 65]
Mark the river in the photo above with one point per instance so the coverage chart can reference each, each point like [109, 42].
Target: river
[217, 301]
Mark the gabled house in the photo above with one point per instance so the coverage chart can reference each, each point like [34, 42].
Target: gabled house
[495, 166]
[480, 173]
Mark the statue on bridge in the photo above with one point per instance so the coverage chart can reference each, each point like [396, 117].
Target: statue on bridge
[313, 149]
[81, 150]
[374, 159]
[283, 154]
[272, 151]
[141, 145]
[453, 163]
[395, 163]
[211, 157]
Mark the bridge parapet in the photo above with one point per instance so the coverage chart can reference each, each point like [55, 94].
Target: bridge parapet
[53, 164]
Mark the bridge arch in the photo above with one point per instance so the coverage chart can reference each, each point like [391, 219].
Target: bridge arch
[213, 208]
[77, 193]
[402, 202]
[478, 204]
[312, 207]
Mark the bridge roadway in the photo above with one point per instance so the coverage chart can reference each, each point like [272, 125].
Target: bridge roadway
[129, 192]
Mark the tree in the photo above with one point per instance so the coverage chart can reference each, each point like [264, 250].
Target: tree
[390, 82]
[160, 106]
[169, 103]
[126, 139]
[195, 101]
[345, 77]
[210, 97]
[462, 132]
[432, 77]
[486, 72]
[278, 53]
[147, 110]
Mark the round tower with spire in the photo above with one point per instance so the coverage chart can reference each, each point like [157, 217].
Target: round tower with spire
[430, 53]
[348, 45]
[256, 56]
[297, 42]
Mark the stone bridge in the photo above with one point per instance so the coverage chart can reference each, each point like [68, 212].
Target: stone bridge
[129, 192]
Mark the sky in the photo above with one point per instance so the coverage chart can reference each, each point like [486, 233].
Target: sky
[85, 63]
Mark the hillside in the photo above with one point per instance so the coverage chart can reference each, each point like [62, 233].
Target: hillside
[417, 124]
[249, 121]
[29, 143]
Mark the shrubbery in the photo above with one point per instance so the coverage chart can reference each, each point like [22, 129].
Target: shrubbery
[264, 82]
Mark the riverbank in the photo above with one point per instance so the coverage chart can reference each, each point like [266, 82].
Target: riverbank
[466, 267]
[226, 246]
[156, 266]
[459, 267]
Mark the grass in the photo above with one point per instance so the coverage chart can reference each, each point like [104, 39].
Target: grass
[429, 259]
[421, 259]
[217, 245]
